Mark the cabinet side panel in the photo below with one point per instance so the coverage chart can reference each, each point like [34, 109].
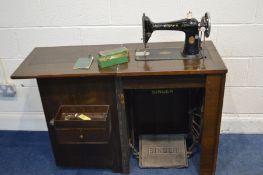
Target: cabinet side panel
[214, 93]
[82, 91]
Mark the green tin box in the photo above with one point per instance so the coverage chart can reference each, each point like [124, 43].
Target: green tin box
[112, 57]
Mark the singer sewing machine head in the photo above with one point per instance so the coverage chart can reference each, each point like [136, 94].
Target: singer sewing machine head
[193, 30]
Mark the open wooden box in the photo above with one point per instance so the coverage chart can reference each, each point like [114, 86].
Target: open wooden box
[73, 130]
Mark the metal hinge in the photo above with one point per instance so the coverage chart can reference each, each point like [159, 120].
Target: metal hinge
[122, 99]
[51, 122]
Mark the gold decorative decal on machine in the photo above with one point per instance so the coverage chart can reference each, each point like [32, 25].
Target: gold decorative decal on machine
[162, 91]
[190, 26]
[191, 40]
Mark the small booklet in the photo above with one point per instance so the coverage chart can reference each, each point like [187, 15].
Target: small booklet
[83, 62]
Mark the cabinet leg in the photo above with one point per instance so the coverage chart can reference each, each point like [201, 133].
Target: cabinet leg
[123, 127]
[214, 93]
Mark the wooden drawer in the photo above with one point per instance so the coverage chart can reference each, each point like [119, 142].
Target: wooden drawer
[82, 136]
[96, 130]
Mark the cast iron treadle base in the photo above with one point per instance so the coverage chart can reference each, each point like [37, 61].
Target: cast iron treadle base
[163, 151]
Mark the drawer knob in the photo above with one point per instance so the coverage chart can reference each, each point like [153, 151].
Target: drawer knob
[81, 136]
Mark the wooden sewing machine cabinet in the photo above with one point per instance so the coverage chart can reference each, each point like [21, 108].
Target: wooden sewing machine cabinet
[127, 89]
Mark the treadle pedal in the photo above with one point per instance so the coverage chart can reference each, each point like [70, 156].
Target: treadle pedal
[163, 151]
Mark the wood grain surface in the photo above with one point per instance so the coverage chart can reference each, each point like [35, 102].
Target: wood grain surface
[116, 86]
[46, 62]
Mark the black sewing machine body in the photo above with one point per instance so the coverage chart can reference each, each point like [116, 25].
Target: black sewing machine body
[190, 26]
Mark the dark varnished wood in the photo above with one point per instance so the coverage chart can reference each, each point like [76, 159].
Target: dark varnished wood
[211, 124]
[82, 136]
[59, 61]
[82, 91]
[160, 82]
[211, 65]
[60, 85]
[123, 126]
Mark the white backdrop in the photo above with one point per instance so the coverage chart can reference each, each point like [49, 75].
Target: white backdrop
[237, 31]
